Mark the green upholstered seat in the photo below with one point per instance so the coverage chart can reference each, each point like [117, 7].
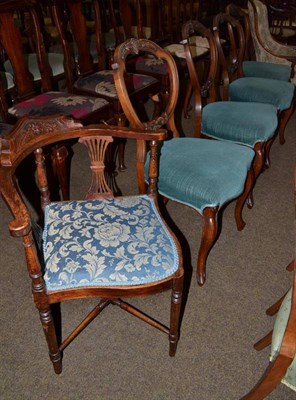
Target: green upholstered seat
[244, 123]
[267, 70]
[277, 337]
[261, 90]
[202, 172]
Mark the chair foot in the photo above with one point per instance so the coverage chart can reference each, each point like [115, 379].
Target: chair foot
[201, 278]
[250, 201]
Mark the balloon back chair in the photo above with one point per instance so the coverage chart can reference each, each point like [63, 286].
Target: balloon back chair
[267, 49]
[249, 124]
[237, 87]
[201, 173]
[282, 366]
[101, 246]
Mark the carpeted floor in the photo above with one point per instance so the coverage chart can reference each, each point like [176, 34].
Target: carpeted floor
[119, 357]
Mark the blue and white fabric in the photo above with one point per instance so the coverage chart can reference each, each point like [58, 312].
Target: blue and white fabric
[106, 242]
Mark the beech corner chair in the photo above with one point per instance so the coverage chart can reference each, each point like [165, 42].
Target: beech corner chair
[201, 173]
[267, 49]
[237, 87]
[245, 123]
[282, 366]
[102, 246]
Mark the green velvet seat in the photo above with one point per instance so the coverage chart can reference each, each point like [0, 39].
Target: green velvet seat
[258, 69]
[260, 90]
[277, 337]
[244, 123]
[187, 176]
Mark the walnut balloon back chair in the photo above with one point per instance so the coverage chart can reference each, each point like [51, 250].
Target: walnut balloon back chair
[255, 68]
[282, 366]
[249, 124]
[29, 101]
[97, 79]
[267, 49]
[195, 172]
[237, 87]
[115, 247]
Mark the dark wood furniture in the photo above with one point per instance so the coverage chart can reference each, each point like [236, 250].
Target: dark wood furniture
[109, 248]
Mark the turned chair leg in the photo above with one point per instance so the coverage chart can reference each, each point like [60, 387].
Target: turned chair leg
[52, 341]
[209, 235]
[176, 302]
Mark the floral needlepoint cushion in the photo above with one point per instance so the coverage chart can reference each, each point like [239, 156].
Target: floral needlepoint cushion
[107, 242]
[51, 103]
[102, 83]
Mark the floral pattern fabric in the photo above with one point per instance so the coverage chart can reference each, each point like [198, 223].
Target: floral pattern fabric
[107, 242]
[102, 83]
[51, 103]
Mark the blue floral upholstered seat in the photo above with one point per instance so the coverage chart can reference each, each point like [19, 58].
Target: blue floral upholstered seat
[106, 242]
